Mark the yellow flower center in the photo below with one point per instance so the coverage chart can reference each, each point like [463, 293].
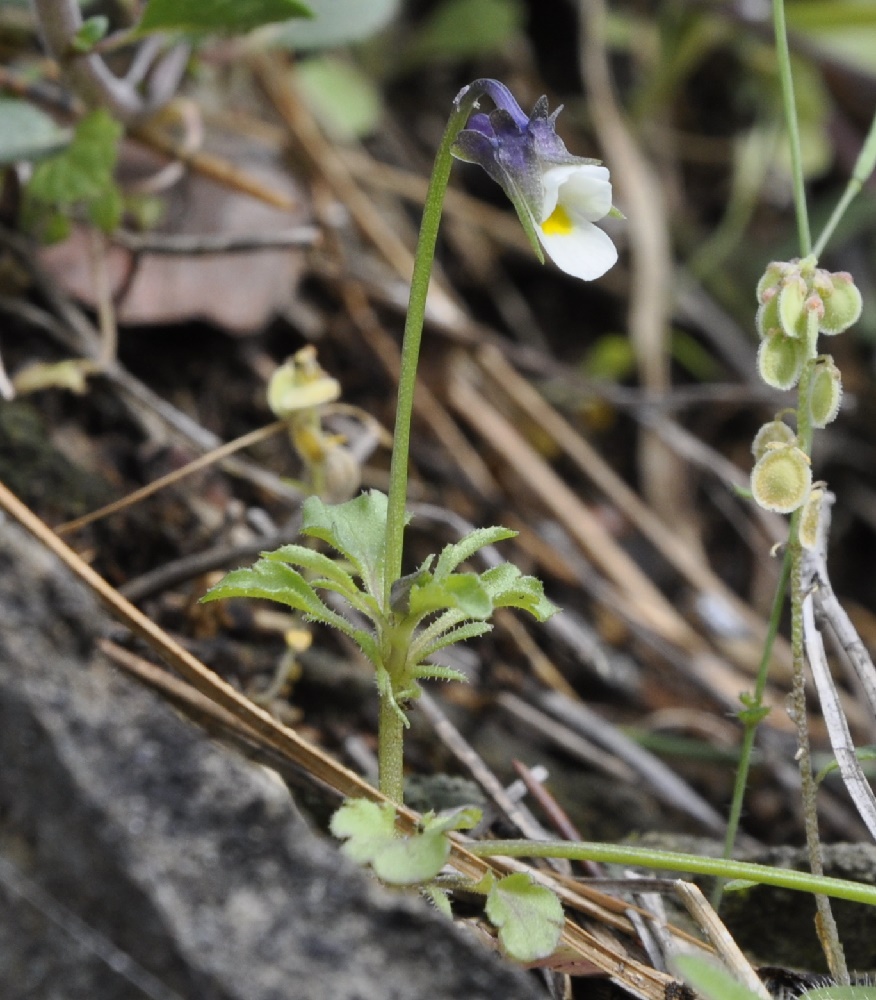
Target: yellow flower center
[557, 223]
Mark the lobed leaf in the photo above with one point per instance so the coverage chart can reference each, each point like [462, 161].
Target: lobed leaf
[529, 917]
[460, 591]
[316, 562]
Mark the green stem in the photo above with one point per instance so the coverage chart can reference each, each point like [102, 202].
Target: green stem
[425, 254]
[751, 717]
[864, 166]
[672, 861]
[390, 751]
[783, 57]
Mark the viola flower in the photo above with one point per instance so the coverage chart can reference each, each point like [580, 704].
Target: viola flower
[558, 196]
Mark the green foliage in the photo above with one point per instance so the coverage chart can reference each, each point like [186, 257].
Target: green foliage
[91, 32]
[335, 22]
[370, 836]
[227, 16]
[840, 993]
[466, 29]
[428, 610]
[344, 99]
[711, 980]
[26, 133]
[529, 917]
[78, 178]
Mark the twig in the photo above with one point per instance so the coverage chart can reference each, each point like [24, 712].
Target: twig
[814, 577]
[164, 243]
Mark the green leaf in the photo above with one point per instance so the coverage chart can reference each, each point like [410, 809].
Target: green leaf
[711, 980]
[439, 898]
[371, 837]
[335, 22]
[232, 16]
[467, 29]
[26, 133]
[461, 591]
[83, 172]
[529, 917]
[91, 32]
[840, 993]
[422, 650]
[345, 101]
[509, 588]
[460, 818]
[867, 753]
[356, 529]
[316, 562]
[105, 211]
[455, 554]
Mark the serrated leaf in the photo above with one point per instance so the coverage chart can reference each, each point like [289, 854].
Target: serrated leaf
[455, 554]
[26, 133]
[840, 993]
[356, 529]
[232, 16]
[509, 588]
[270, 581]
[710, 979]
[439, 898]
[529, 917]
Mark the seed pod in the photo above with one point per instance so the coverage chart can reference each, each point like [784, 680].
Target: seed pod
[767, 318]
[780, 360]
[809, 518]
[781, 479]
[842, 307]
[825, 393]
[791, 305]
[771, 277]
[773, 432]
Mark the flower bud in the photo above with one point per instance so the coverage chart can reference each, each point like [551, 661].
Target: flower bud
[773, 432]
[825, 393]
[781, 479]
[300, 384]
[810, 516]
[780, 360]
[842, 305]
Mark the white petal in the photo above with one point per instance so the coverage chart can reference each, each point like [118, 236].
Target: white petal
[582, 188]
[586, 252]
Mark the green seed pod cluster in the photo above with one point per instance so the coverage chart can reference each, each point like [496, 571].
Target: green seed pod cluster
[774, 432]
[825, 392]
[781, 478]
[796, 302]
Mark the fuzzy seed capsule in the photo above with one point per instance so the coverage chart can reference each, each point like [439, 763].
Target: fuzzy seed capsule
[780, 360]
[810, 517]
[842, 306]
[772, 276]
[773, 432]
[792, 306]
[781, 479]
[825, 393]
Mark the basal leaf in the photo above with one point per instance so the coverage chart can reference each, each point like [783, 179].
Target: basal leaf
[529, 917]
[316, 562]
[365, 826]
[26, 133]
[455, 554]
[232, 16]
[356, 529]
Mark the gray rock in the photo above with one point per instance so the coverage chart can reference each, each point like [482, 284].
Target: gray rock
[138, 858]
